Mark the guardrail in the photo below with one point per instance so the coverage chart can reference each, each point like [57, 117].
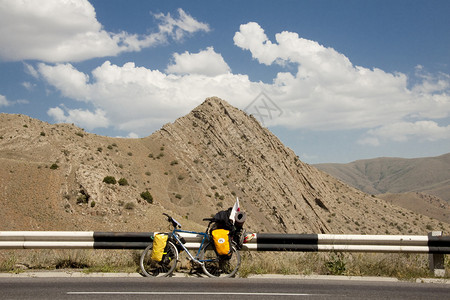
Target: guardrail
[74, 240]
[353, 243]
[261, 241]
[434, 244]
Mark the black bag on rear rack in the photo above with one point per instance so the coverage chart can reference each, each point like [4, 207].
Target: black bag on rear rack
[222, 220]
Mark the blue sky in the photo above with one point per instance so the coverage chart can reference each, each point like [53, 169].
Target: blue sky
[336, 81]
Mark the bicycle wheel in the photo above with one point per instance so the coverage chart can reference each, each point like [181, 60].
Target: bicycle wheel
[163, 268]
[218, 266]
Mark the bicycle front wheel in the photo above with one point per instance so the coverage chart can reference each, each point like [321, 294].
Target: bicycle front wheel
[163, 268]
[219, 266]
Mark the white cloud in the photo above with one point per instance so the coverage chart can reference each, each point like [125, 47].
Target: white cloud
[4, 101]
[132, 135]
[404, 131]
[206, 62]
[431, 83]
[57, 114]
[252, 37]
[61, 31]
[29, 69]
[71, 82]
[141, 100]
[83, 118]
[326, 92]
[177, 28]
[28, 85]
[329, 92]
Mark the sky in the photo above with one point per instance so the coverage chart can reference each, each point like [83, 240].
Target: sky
[336, 81]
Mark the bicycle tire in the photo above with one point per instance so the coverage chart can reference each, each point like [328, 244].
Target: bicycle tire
[165, 267]
[219, 266]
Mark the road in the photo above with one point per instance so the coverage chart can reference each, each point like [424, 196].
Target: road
[206, 288]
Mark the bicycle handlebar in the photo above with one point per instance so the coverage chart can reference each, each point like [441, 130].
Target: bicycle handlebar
[174, 222]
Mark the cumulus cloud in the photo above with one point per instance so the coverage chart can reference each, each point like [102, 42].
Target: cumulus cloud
[83, 118]
[139, 99]
[324, 92]
[68, 80]
[206, 62]
[329, 92]
[62, 31]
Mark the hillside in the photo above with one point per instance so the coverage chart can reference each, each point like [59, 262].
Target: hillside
[430, 175]
[51, 178]
[421, 203]
[418, 184]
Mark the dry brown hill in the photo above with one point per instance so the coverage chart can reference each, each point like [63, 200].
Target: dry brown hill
[419, 184]
[51, 178]
[429, 175]
[421, 203]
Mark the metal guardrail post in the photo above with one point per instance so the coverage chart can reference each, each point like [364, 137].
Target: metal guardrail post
[436, 260]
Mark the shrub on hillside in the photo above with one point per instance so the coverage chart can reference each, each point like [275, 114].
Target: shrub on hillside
[123, 181]
[147, 197]
[109, 180]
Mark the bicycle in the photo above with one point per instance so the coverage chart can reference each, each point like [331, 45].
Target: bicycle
[213, 265]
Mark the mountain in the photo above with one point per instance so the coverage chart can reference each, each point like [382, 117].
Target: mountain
[421, 203]
[420, 184]
[59, 177]
[396, 175]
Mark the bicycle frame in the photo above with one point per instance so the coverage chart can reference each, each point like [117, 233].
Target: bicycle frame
[179, 242]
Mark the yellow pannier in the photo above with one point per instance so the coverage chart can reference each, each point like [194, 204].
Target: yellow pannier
[159, 243]
[221, 241]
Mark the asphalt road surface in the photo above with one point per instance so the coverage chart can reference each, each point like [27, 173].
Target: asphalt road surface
[207, 288]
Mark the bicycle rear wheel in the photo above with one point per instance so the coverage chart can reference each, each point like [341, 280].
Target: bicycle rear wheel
[219, 266]
[163, 268]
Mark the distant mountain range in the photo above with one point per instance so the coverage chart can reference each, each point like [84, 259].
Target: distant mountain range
[419, 184]
[383, 175]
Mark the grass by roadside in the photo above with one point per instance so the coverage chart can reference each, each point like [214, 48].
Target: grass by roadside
[401, 266]
[89, 261]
